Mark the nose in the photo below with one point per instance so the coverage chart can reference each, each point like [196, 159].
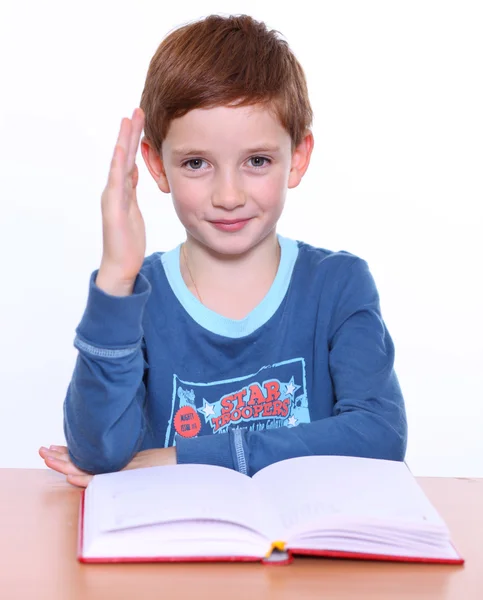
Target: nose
[228, 192]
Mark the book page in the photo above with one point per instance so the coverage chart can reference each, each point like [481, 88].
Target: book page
[308, 490]
[142, 497]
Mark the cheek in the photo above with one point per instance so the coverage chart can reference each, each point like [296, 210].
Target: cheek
[270, 191]
[187, 195]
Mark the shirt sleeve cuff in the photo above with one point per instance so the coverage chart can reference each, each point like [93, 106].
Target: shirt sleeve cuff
[111, 321]
[206, 450]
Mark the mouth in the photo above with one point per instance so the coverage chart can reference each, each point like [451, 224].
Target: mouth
[229, 221]
[230, 224]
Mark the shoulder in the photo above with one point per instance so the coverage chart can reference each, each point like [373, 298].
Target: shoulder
[338, 282]
[153, 261]
[317, 263]
[335, 277]
[152, 268]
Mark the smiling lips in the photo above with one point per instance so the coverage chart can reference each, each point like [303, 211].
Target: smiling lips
[230, 224]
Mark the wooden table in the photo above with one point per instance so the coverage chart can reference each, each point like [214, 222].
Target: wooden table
[38, 537]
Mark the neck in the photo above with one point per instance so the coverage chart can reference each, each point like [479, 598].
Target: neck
[209, 274]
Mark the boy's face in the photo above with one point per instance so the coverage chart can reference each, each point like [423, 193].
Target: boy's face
[228, 170]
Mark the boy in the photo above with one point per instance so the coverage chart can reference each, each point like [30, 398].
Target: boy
[239, 347]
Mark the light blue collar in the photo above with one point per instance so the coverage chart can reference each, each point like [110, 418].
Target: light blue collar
[219, 324]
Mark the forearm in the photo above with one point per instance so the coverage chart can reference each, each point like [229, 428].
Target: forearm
[352, 433]
[103, 408]
[103, 413]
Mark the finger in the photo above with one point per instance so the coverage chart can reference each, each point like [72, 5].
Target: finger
[45, 452]
[62, 466]
[79, 480]
[135, 177]
[136, 131]
[57, 465]
[58, 448]
[61, 449]
[117, 172]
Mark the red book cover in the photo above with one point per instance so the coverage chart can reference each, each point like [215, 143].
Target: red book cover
[286, 557]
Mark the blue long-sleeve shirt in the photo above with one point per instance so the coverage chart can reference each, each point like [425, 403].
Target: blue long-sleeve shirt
[309, 371]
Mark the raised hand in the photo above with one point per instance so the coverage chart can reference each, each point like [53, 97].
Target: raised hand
[123, 230]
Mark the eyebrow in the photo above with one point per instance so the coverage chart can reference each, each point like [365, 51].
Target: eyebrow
[199, 152]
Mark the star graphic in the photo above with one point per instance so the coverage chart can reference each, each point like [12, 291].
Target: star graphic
[207, 410]
[292, 421]
[291, 388]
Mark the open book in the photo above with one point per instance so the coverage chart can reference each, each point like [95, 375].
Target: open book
[318, 505]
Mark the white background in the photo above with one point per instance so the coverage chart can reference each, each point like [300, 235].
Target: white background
[396, 177]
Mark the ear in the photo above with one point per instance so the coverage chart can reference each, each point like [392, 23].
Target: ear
[300, 160]
[155, 165]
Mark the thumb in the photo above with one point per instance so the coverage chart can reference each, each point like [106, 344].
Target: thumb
[81, 481]
[135, 176]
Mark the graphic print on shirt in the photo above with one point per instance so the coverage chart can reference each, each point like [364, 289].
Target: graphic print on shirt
[274, 396]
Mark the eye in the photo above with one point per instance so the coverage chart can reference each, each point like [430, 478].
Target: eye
[259, 161]
[194, 164]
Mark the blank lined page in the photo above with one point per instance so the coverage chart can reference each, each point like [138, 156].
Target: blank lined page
[182, 492]
[306, 489]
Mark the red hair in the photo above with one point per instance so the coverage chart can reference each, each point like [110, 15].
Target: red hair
[221, 61]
